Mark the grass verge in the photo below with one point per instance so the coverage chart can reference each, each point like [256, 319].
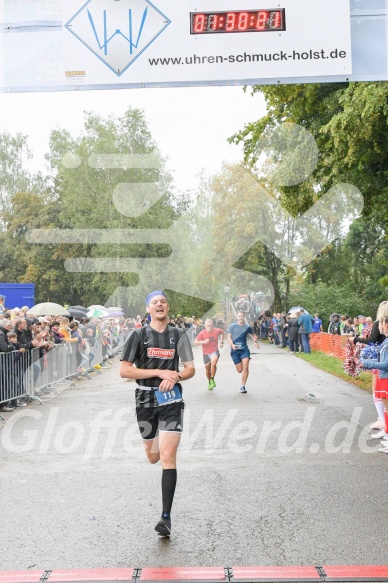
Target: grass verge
[333, 365]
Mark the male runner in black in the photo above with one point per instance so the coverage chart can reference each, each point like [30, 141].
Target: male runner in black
[156, 350]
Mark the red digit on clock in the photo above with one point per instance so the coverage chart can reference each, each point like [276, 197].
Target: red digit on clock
[199, 22]
[277, 20]
[262, 18]
[242, 21]
[230, 21]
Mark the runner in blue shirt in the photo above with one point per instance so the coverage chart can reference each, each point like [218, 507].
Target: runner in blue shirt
[237, 338]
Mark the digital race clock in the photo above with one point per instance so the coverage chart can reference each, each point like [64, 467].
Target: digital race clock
[240, 21]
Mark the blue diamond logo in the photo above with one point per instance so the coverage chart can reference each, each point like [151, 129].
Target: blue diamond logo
[117, 31]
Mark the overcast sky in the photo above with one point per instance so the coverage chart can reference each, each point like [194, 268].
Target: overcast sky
[190, 125]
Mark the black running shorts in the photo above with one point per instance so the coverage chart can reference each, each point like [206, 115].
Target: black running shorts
[168, 418]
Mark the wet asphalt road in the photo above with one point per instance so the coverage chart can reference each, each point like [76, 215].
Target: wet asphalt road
[266, 478]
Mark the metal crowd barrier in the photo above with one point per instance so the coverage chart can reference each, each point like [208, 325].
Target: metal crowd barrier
[96, 351]
[58, 365]
[14, 383]
[24, 374]
[120, 340]
[191, 335]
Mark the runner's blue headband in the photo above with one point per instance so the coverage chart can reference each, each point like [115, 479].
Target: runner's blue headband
[153, 294]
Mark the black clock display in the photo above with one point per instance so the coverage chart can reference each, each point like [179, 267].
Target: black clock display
[238, 21]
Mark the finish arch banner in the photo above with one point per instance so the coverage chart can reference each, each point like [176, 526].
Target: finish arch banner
[140, 41]
[111, 43]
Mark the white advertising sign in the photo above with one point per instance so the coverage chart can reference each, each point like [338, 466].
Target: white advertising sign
[109, 42]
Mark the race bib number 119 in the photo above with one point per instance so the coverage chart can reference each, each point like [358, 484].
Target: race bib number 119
[172, 396]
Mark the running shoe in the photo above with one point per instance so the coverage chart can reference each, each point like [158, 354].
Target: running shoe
[164, 526]
[377, 425]
[243, 390]
[210, 386]
[213, 383]
[381, 434]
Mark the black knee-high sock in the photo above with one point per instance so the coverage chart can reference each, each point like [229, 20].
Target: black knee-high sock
[168, 489]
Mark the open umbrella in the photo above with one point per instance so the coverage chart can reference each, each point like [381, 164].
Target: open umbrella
[97, 313]
[96, 307]
[115, 309]
[77, 313]
[79, 308]
[48, 309]
[297, 309]
[116, 313]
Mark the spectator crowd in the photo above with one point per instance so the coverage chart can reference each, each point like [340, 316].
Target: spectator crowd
[366, 348]
[287, 329]
[25, 340]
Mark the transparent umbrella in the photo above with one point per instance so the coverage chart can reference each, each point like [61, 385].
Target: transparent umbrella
[298, 309]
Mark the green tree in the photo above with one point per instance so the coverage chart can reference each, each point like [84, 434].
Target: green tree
[14, 177]
[99, 188]
[244, 216]
[85, 189]
[325, 299]
[348, 122]
[22, 262]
